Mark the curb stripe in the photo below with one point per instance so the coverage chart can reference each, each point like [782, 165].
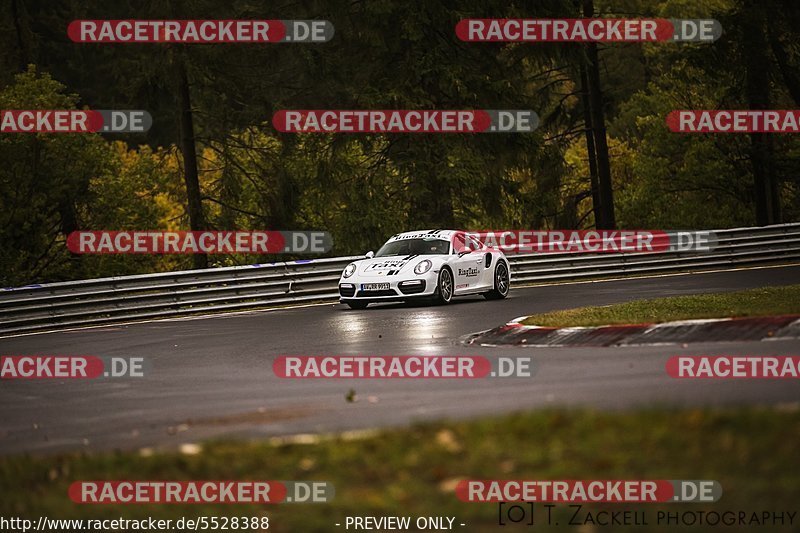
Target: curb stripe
[701, 330]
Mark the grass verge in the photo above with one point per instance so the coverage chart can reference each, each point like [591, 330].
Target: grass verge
[752, 452]
[765, 301]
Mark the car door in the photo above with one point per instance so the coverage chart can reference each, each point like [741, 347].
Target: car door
[467, 265]
[486, 276]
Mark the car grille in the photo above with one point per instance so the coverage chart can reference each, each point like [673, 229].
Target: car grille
[371, 294]
[347, 292]
[412, 289]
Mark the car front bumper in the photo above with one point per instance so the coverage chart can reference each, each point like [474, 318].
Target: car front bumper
[423, 286]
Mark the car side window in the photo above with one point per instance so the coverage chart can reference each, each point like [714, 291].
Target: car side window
[458, 243]
[473, 244]
[442, 247]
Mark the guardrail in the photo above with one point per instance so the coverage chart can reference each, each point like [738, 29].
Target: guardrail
[125, 298]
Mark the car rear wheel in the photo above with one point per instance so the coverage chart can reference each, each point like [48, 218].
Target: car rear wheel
[444, 289]
[357, 305]
[501, 282]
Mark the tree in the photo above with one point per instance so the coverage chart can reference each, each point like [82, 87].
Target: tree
[604, 215]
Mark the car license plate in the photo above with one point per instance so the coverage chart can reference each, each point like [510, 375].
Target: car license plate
[374, 286]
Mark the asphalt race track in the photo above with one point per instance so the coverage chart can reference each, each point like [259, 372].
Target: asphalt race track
[212, 376]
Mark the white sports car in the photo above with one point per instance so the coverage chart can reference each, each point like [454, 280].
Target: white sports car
[436, 265]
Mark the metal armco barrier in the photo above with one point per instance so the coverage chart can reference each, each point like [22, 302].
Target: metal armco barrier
[125, 298]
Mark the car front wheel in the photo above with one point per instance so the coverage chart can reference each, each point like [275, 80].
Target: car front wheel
[501, 282]
[444, 291]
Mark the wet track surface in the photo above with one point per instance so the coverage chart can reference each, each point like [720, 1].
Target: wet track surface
[213, 377]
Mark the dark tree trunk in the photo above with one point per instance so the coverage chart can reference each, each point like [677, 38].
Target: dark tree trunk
[189, 151]
[605, 190]
[23, 56]
[757, 89]
[590, 149]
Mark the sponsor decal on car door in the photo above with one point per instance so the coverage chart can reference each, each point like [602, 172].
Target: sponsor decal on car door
[468, 266]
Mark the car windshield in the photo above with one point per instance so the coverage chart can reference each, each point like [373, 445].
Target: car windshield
[426, 246]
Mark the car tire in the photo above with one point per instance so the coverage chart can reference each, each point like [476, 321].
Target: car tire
[502, 282]
[358, 305]
[444, 287]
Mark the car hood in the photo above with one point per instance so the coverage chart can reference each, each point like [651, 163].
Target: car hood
[389, 266]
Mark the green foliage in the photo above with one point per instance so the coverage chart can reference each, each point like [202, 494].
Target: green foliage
[43, 181]
[414, 471]
[362, 188]
[53, 184]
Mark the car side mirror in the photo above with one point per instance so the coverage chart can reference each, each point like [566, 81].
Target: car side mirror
[370, 254]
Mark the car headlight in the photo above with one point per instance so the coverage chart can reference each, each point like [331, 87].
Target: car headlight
[422, 267]
[349, 270]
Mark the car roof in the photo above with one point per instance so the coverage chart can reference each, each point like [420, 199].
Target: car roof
[445, 234]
